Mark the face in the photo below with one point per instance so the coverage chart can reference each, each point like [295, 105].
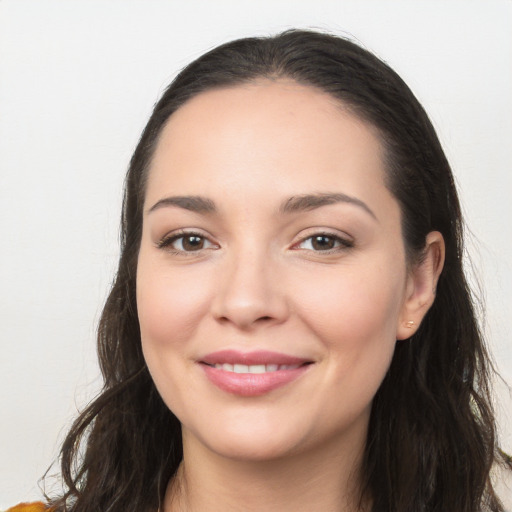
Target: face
[271, 277]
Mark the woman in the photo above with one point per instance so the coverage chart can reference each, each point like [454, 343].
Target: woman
[290, 327]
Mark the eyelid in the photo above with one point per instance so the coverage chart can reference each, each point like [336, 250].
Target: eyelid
[345, 241]
[166, 241]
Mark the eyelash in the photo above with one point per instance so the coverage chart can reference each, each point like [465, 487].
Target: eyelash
[342, 244]
[166, 243]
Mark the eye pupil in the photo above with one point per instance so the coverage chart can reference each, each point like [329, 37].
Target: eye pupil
[322, 242]
[192, 243]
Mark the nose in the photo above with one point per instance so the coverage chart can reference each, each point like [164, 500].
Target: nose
[250, 293]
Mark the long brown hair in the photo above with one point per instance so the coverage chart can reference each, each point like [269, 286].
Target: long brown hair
[432, 437]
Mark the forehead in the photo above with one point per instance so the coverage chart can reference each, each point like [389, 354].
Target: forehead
[270, 136]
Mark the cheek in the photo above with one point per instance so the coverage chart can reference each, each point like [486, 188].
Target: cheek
[169, 305]
[355, 314]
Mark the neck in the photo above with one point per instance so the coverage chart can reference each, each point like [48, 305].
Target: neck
[328, 479]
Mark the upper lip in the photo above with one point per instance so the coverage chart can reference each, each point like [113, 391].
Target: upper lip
[252, 358]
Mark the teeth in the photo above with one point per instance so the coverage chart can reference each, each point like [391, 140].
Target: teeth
[255, 368]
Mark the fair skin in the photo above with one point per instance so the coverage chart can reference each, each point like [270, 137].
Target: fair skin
[294, 248]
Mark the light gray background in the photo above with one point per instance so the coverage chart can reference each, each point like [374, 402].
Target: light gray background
[77, 83]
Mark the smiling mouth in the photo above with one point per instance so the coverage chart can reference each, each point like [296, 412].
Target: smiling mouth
[255, 368]
[250, 374]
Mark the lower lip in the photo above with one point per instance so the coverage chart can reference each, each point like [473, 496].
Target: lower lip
[252, 384]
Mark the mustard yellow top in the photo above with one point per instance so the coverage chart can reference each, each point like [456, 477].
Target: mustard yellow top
[29, 507]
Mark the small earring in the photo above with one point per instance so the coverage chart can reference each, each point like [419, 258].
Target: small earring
[409, 324]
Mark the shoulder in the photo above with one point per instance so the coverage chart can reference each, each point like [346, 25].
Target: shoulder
[29, 507]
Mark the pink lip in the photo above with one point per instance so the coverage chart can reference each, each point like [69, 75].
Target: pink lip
[251, 384]
[255, 357]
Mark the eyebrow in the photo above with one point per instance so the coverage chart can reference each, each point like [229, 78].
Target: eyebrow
[312, 201]
[293, 204]
[193, 203]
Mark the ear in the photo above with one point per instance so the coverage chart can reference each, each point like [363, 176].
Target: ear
[420, 290]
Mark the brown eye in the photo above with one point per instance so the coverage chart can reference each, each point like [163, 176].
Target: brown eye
[186, 242]
[323, 242]
[191, 242]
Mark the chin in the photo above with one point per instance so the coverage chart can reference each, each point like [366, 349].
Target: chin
[247, 440]
[249, 449]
